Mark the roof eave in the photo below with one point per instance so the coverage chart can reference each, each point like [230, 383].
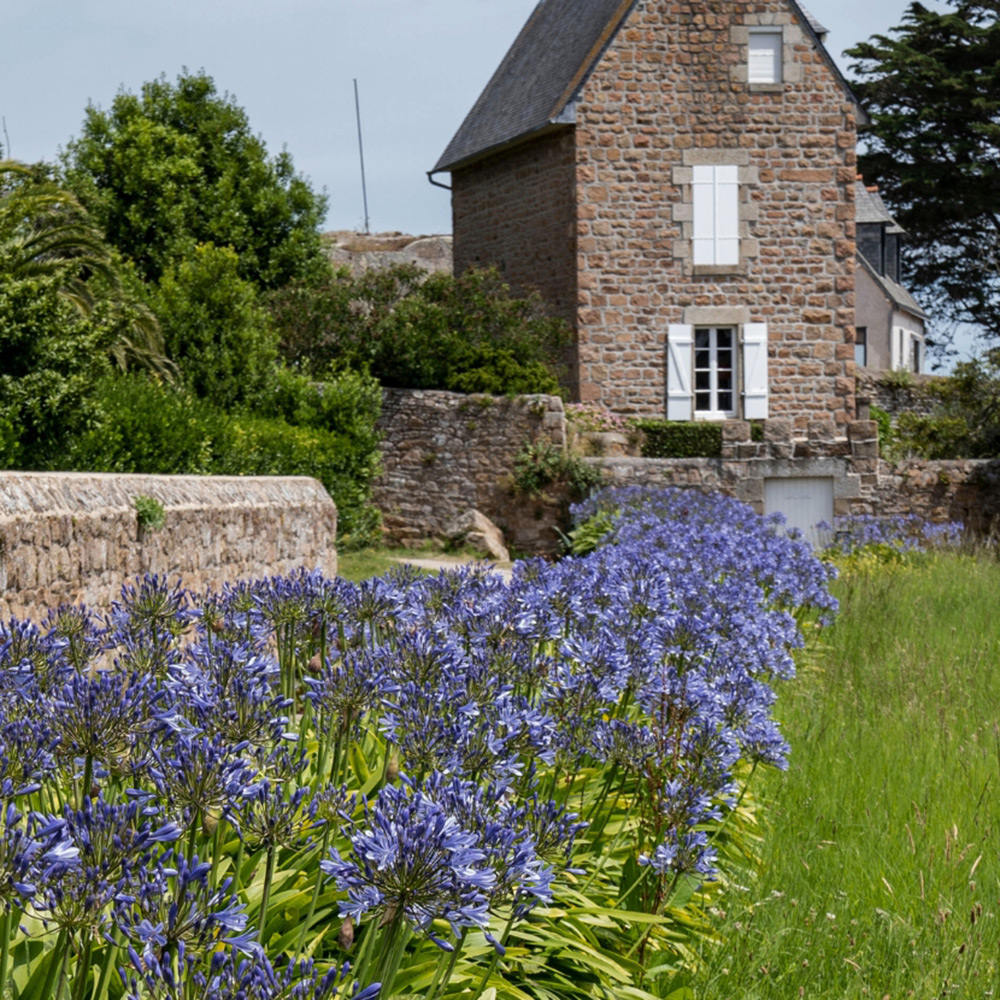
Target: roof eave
[554, 125]
[913, 308]
[863, 121]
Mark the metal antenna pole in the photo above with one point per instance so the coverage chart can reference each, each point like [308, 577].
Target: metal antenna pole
[361, 151]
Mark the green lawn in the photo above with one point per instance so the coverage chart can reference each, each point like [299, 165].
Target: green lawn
[881, 855]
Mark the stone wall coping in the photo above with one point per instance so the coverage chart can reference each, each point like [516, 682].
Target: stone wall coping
[60, 493]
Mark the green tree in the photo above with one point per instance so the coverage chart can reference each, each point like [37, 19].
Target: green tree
[933, 92]
[215, 330]
[178, 166]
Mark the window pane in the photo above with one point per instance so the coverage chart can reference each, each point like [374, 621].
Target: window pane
[703, 401]
[725, 337]
[702, 338]
[703, 380]
[725, 400]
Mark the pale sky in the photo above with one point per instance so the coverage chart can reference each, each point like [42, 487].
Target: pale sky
[420, 65]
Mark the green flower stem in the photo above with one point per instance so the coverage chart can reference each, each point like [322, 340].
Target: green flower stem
[442, 982]
[392, 954]
[265, 897]
[237, 868]
[82, 971]
[364, 959]
[63, 966]
[494, 958]
[4, 948]
[603, 796]
[61, 948]
[216, 852]
[316, 891]
[110, 958]
[614, 844]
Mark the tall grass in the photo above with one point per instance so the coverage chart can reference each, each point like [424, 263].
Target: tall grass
[881, 867]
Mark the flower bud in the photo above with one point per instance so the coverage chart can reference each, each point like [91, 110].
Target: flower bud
[346, 936]
[209, 823]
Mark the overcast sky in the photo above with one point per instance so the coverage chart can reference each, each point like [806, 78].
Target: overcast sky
[420, 65]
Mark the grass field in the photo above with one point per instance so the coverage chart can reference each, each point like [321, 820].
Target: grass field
[881, 849]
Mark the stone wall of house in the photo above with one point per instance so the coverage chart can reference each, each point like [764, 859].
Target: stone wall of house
[444, 453]
[516, 210]
[671, 93]
[69, 537]
[915, 395]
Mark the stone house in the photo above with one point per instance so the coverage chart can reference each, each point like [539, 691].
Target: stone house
[889, 322]
[677, 179]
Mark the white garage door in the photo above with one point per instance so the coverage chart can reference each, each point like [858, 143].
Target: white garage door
[804, 502]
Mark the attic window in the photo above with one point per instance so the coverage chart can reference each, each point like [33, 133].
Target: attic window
[765, 58]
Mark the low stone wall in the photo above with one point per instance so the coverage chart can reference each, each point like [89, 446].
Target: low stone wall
[444, 452]
[69, 537]
[914, 396]
[966, 490]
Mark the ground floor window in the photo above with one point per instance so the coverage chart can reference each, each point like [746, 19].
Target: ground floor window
[715, 371]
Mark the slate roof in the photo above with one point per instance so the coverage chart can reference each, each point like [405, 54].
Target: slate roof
[894, 292]
[552, 55]
[534, 86]
[869, 207]
[814, 24]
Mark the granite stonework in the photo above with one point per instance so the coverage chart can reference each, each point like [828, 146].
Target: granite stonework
[444, 453]
[75, 537]
[918, 394]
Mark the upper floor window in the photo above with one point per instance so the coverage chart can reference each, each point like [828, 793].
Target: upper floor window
[861, 345]
[716, 196]
[765, 56]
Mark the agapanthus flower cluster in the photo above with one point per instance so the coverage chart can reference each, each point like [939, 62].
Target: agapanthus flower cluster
[430, 752]
[903, 532]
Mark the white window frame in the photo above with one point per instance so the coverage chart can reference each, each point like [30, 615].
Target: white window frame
[716, 211]
[765, 55]
[714, 411]
[750, 386]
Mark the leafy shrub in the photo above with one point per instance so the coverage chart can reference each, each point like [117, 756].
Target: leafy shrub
[540, 465]
[152, 428]
[49, 358]
[149, 512]
[670, 439]
[465, 334]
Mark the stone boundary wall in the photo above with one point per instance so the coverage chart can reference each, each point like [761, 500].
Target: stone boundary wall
[444, 453]
[917, 397]
[966, 490]
[75, 537]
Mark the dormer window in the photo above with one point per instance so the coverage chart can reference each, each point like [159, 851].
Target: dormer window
[765, 56]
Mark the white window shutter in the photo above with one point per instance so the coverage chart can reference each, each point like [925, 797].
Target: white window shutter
[680, 343]
[703, 197]
[727, 215]
[765, 57]
[755, 371]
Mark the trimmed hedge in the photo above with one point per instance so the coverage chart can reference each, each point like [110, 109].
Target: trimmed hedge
[677, 439]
